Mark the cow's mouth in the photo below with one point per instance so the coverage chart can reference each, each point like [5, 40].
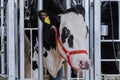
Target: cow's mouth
[83, 65]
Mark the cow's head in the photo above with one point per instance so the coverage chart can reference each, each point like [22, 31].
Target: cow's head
[70, 33]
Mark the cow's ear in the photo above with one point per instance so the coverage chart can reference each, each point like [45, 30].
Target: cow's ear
[44, 16]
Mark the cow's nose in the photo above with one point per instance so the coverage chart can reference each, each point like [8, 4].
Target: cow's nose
[84, 64]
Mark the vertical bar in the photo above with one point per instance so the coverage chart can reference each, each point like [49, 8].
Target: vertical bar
[91, 41]
[83, 2]
[21, 27]
[2, 38]
[40, 30]
[119, 19]
[10, 40]
[68, 72]
[78, 74]
[86, 6]
[68, 5]
[31, 37]
[16, 39]
[97, 39]
[119, 27]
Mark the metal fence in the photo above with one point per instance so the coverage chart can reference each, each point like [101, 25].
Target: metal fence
[12, 53]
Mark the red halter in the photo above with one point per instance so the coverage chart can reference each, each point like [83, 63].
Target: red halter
[68, 53]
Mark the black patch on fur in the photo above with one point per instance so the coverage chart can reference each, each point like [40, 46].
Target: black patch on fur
[79, 9]
[35, 66]
[65, 34]
[54, 6]
[70, 41]
[45, 54]
[49, 40]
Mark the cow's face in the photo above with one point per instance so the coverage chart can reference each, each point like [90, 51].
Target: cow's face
[72, 35]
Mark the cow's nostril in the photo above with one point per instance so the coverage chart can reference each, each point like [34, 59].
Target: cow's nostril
[84, 65]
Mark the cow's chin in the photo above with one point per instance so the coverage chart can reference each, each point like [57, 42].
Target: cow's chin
[76, 69]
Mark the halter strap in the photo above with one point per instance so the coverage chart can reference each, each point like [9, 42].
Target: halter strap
[68, 53]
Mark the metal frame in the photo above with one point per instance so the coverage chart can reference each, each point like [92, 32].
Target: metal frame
[115, 40]
[97, 40]
[11, 40]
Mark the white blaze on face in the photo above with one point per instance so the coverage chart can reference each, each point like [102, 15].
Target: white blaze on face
[76, 24]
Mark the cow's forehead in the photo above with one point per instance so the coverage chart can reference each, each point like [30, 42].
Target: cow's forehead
[72, 20]
[72, 30]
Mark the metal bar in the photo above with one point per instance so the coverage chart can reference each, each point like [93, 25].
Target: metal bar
[21, 27]
[110, 0]
[97, 48]
[40, 30]
[31, 52]
[2, 39]
[78, 73]
[68, 72]
[83, 3]
[110, 60]
[68, 4]
[86, 6]
[91, 37]
[110, 40]
[10, 40]
[77, 78]
[30, 28]
[16, 40]
[119, 18]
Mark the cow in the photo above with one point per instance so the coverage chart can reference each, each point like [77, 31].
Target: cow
[64, 38]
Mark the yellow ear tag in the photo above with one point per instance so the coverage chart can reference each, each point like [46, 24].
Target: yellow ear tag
[47, 20]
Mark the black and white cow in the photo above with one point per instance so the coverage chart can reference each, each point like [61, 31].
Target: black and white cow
[64, 37]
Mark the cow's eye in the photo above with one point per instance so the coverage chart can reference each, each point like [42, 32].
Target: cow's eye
[65, 34]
